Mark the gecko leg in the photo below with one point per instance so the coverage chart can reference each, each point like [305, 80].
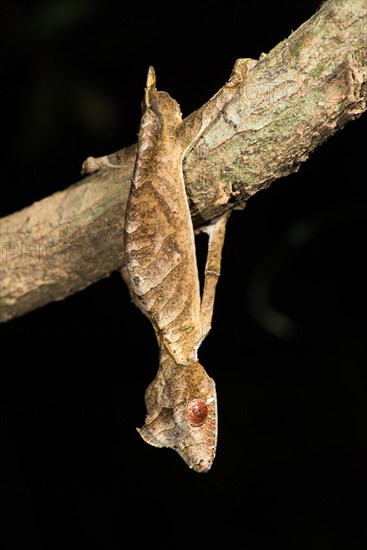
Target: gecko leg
[216, 231]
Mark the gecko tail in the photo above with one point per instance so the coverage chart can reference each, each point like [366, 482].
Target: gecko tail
[151, 78]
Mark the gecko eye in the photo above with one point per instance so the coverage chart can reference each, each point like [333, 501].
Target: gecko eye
[196, 412]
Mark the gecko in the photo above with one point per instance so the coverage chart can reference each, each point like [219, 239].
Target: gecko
[161, 272]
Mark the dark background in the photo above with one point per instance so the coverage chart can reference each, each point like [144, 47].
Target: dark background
[291, 457]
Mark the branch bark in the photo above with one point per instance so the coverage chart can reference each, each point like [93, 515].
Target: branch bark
[303, 91]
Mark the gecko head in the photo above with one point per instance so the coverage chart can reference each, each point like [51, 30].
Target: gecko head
[182, 415]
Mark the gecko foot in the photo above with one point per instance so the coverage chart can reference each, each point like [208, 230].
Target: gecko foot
[93, 164]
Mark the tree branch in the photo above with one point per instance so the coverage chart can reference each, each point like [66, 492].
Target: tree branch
[307, 88]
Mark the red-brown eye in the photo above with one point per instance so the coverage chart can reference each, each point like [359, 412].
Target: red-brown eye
[196, 412]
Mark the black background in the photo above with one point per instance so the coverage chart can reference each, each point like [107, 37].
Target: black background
[291, 457]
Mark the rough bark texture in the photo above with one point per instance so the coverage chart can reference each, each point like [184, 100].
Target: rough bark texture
[307, 88]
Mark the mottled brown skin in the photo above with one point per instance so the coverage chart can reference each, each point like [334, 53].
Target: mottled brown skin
[162, 275]
[161, 272]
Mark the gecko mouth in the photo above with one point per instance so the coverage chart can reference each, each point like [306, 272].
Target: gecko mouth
[202, 466]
